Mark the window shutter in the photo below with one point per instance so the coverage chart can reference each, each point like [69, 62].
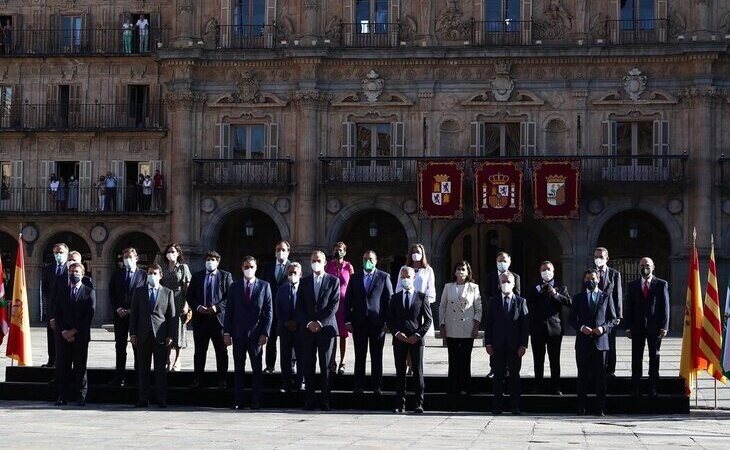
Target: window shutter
[397, 142]
[608, 137]
[75, 106]
[225, 22]
[661, 137]
[349, 134]
[272, 140]
[86, 186]
[47, 168]
[528, 138]
[16, 185]
[123, 108]
[223, 139]
[477, 138]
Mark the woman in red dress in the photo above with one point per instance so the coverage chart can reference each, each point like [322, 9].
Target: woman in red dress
[341, 269]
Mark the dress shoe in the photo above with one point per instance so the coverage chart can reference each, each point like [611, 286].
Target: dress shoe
[222, 385]
[236, 407]
[81, 403]
[162, 405]
[195, 384]
[399, 409]
[116, 382]
[581, 411]
[325, 406]
[357, 391]
[143, 404]
[284, 390]
[600, 413]
[558, 392]
[269, 370]
[48, 365]
[490, 374]
[516, 412]
[418, 410]
[255, 405]
[61, 403]
[308, 407]
[610, 375]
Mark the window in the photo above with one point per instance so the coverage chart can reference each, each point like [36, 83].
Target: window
[6, 105]
[373, 140]
[138, 105]
[249, 14]
[5, 188]
[634, 139]
[502, 10]
[248, 141]
[503, 139]
[633, 148]
[637, 15]
[372, 16]
[71, 29]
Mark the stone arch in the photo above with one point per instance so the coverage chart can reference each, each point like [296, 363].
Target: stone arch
[348, 212]
[39, 256]
[147, 254]
[449, 137]
[117, 233]
[555, 131]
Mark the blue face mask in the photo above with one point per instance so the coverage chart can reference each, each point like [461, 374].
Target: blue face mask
[75, 279]
[60, 257]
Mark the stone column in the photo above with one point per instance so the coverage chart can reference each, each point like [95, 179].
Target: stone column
[180, 106]
[310, 30]
[184, 24]
[426, 21]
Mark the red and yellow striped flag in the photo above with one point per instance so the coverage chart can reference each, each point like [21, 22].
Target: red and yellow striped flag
[691, 362]
[711, 337]
[19, 347]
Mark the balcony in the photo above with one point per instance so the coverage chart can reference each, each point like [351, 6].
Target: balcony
[666, 172]
[81, 42]
[370, 35]
[238, 37]
[645, 31]
[82, 117]
[370, 171]
[227, 174]
[501, 32]
[88, 199]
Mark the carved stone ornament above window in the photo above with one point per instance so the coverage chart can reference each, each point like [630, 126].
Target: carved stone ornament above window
[502, 84]
[372, 86]
[557, 22]
[635, 84]
[247, 88]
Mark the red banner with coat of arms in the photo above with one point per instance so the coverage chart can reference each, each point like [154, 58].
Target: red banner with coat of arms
[498, 191]
[556, 189]
[441, 189]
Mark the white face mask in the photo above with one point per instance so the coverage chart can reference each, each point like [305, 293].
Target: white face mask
[317, 267]
[249, 273]
[172, 257]
[461, 274]
[282, 255]
[211, 265]
[416, 256]
[60, 258]
[130, 263]
[502, 266]
[547, 275]
[294, 278]
[407, 283]
[600, 262]
[506, 288]
[153, 280]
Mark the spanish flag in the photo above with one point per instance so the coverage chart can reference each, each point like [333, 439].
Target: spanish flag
[19, 347]
[691, 361]
[711, 337]
[3, 305]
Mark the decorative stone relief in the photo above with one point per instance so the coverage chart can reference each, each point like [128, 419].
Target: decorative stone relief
[502, 84]
[408, 28]
[185, 6]
[333, 29]
[595, 206]
[677, 23]
[725, 23]
[597, 26]
[210, 34]
[410, 206]
[247, 88]
[557, 24]
[333, 206]
[372, 86]
[312, 5]
[207, 205]
[184, 99]
[450, 26]
[635, 84]
[285, 29]
[675, 206]
[283, 205]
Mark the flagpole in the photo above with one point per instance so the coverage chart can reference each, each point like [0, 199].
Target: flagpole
[715, 392]
[697, 393]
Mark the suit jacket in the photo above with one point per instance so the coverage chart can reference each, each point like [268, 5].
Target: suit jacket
[492, 286]
[647, 315]
[248, 319]
[415, 320]
[506, 331]
[48, 289]
[602, 315]
[546, 309]
[268, 274]
[458, 312]
[75, 313]
[321, 309]
[196, 293]
[119, 295]
[368, 308]
[612, 284]
[157, 324]
[284, 311]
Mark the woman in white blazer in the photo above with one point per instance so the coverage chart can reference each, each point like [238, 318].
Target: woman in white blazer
[460, 314]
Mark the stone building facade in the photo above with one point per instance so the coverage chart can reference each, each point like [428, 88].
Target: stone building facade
[305, 120]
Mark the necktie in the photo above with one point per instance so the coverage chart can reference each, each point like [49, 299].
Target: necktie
[247, 292]
[58, 269]
[74, 293]
[406, 300]
[603, 280]
[128, 279]
[505, 304]
[279, 272]
[593, 300]
[646, 289]
[153, 299]
[209, 290]
[368, 280]
[317, 281]
[292, 298]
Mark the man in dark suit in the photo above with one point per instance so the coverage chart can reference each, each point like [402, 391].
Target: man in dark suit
[288, 329]
[121, 289]
[546, 305]
[367, 298]
[50, 274]
[409, 318]
[593, 317]
[609, 280]
[152, 329]
[492, 287]
[647, 322]
[275, 274]
[506, 333]
[75, 257]
[207, 296]
[247, 326]
[75, 305]
[318, 298]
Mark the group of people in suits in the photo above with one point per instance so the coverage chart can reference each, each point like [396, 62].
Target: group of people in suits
[306, 314]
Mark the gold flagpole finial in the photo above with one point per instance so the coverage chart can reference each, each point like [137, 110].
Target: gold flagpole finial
[712, 240]
[694, 234]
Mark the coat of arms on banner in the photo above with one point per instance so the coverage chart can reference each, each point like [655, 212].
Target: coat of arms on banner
[441, 194]
[555, 189]
[502, 193]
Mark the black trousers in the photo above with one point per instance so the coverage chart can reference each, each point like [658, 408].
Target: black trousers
[205, 331]
[654, 343]
[401, 350]
[147, 351]
[459, 364]
[71, 369]
[374, 337]
[51, 341]
[591, 365]
[121, 335]
[290, 343]
[271, 344]
[501, 362]
[541, 342]
[611, 354]
[316, 345]
[241, 348]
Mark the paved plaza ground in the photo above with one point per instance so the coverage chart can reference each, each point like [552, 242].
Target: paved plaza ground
[40, 425]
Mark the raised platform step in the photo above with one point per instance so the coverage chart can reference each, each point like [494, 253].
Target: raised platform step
[33, 383]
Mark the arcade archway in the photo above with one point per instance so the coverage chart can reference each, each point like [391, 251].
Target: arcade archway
[148, 250]
[245, 232]
[74, 242]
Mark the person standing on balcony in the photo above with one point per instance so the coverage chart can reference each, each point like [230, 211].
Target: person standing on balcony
[146, 193]
[143, 26]
[7, 34]
[159, 180]
[110, 182]
[127, 35]
[100, 187]
[53, 184]
[73, 194]
[609, 280]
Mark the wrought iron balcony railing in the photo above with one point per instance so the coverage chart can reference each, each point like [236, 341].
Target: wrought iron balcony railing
[502, 32]
[72, 199]
[249, 173]
[645, 31]
[370, 34]
[82, 116]
[237, 37]
[82, 41]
